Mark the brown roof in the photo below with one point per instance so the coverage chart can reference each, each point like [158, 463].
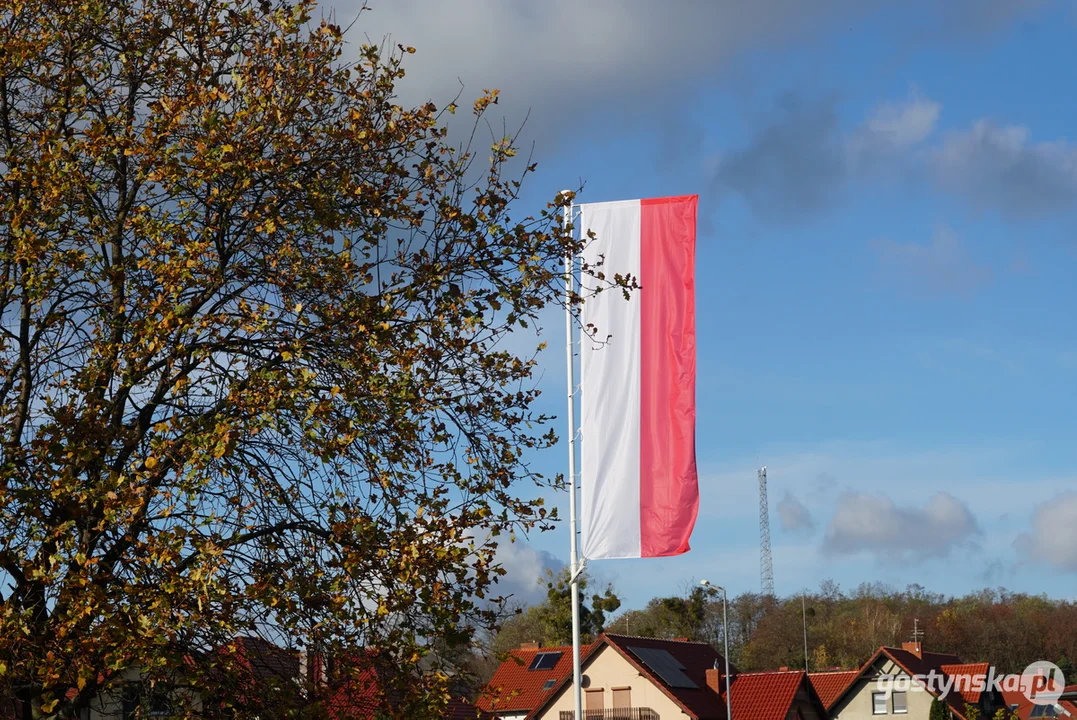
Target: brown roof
[696, 657]
[831, 684]
[758, 696]
[923, 664]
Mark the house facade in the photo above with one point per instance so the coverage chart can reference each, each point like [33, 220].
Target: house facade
[634, 678]
[905, 681]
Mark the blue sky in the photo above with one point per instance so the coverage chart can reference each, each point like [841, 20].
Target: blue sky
[885, 264]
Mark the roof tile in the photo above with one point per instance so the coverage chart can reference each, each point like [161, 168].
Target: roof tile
[830, 684]
[515, 688]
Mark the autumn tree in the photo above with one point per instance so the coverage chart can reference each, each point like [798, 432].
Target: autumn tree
[250, 373]
[550, 621]
[696, 615]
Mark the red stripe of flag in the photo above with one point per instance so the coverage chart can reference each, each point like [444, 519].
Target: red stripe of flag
[669, 493]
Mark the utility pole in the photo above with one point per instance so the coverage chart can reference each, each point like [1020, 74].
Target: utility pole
[804, 619]
[766, 562]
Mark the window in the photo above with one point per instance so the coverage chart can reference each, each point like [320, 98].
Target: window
[595, 701]
[544, 661]
[622, 698]
[156, 701]
[900, 703]
[549, 684]
[878, 703]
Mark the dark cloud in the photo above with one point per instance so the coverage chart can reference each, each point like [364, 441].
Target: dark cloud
[793, 516]
[563, 60]
[794, 167]
[803, 161]
[899, 534]
[943, 266]
[997, 167]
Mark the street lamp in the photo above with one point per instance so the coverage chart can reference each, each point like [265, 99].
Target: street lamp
[725, 640]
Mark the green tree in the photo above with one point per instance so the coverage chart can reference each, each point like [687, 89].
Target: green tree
[939, 710]
[550, 622]
[250, 372]
[695, 616]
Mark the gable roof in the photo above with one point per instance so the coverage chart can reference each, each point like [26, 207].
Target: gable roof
[515, 688]
[699, 703]
[769, 695]
[831, 684]
[950, 665]
[696, 657]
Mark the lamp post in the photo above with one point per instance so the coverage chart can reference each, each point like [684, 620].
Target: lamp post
[725, 640]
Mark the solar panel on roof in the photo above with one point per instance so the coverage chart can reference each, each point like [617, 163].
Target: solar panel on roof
[664, 665]
[544, 661]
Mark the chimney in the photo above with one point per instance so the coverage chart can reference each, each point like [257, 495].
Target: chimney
[783, 668]
[684, 639]
[914, 647]
[714, 680]
[529, 646]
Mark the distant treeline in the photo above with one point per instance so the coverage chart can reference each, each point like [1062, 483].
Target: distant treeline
[1009, 630]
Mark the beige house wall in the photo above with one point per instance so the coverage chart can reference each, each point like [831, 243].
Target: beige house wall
[858, 704]
[608, 669]
[109, 706]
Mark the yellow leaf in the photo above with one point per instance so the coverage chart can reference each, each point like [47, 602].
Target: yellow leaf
[151, 463]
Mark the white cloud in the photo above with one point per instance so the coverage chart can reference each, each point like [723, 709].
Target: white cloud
[1052, 540]
[893, 533]
[525, 567]
[904, 123]
[793, 516]
[998, 167]
[942, 266]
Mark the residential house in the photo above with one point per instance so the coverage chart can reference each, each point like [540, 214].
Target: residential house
[1021, 706]
[635, 678]
[889, 684]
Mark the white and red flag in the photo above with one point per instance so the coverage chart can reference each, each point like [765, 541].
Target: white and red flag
[638, 488]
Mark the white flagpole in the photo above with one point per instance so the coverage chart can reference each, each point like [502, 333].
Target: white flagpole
[573, 563]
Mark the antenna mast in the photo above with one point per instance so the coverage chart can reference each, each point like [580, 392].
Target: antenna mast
[766, 563]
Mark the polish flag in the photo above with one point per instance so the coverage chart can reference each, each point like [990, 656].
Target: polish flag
[638, 489]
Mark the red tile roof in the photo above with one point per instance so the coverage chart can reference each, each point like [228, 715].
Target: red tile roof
[1024, 706]
[764, 695]
[831, 684]
[515, 688]
[964, 683]
[461, 709]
